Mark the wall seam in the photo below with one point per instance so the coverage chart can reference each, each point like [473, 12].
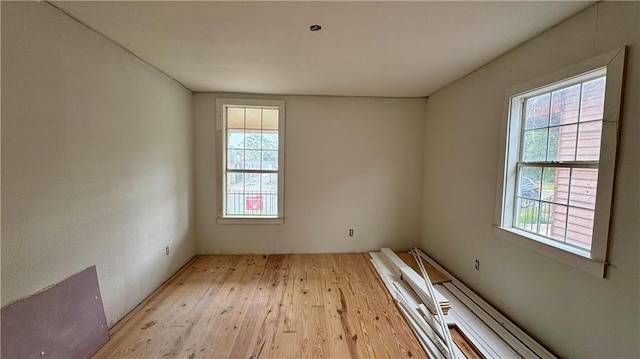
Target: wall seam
[117, 44]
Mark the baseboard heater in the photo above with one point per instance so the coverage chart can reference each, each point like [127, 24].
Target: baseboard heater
[470, 329]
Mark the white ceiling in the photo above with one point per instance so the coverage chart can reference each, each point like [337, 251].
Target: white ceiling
[391, 49]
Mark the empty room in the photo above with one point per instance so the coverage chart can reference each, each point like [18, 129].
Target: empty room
[320, 179]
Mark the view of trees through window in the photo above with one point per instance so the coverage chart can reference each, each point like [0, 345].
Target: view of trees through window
[558, 167]
[251, 187]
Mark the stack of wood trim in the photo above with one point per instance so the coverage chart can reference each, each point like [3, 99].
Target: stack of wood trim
[488, 329]
[444, 303]
[414, 294]
[490, 333]
[435, 277]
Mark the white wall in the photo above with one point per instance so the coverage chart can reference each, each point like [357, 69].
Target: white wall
[349, 163]
[574, 313]
[96, 162]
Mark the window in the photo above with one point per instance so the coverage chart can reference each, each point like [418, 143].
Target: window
[560, 140]
[251, 144]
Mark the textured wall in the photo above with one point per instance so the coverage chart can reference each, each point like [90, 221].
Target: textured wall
[349, 163]
[96, 160]
[574, 313]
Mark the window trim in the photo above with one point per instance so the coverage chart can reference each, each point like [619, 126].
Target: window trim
[594, 262]
[221, 104]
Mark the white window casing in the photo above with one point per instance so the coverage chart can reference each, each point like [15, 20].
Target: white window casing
[224, 216]
[593, 260]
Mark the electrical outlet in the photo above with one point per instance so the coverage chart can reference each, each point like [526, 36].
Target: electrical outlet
[166, 251]
[350, 232]
[477, 264]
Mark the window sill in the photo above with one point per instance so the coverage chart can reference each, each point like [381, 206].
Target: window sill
[549, 248]
[249, 220]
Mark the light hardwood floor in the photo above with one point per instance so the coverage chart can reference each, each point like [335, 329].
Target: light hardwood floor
[267, 306]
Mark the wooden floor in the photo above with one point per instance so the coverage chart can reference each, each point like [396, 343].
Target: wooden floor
[274, 306]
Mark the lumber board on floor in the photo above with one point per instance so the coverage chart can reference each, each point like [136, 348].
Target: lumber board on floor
[435, 275]
[464, 344]
[268, 306]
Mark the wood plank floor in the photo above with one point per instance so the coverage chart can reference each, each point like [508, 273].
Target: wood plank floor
[267, 306]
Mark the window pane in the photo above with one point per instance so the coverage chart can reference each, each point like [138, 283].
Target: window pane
[529, 184]
[589, 136]
[235, 159]
[558, 222]
[566, 142]
[235, 193]
[253, 201]
[548, 183]
[583, 187]
[564, 105]
[252, 183]
[269, 160]
[580, 227]
[527, 214]
[235, 139]
[235, 182]
[269, 182]
[253, 139]
[535, 216]
[546, 219]
[552, 149]
[253, 194]
[269, 119]
[253, 158]
[592, 104]
[270, 194]
[235, 203]
[535, 145]
[537, 112]
[253, 118]
[235, 117]
[270, 140]
[556, 185]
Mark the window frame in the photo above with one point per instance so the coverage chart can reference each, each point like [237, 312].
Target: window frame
[595, 260]
[221, 150]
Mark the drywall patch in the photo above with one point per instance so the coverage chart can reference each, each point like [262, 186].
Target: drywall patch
[63, 321]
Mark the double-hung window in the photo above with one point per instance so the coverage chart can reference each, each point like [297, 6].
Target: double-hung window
[251, 144]
[560, 140]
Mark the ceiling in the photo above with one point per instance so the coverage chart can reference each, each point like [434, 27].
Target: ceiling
[387, 49]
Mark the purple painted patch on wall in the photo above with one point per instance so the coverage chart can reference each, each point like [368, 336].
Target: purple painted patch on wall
[63, 321]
